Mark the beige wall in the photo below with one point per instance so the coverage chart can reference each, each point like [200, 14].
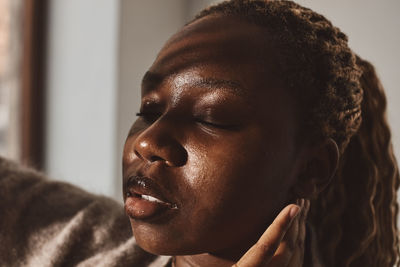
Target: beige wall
[81, 92]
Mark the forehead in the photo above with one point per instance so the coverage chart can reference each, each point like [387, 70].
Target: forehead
[220, 47]
[224, 52]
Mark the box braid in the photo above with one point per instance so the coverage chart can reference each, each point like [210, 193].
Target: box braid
[355, 217]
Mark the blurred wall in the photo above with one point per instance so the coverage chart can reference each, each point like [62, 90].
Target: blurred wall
[82, 85]
[99, 50]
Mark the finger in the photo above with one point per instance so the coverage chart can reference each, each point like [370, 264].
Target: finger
[288, 247]
[261, 253]
[298, 256]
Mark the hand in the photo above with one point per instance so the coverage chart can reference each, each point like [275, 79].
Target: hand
[282, 244]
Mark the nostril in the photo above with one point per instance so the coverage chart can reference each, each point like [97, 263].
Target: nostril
[153, 148]
[138, 154]
[155, 158]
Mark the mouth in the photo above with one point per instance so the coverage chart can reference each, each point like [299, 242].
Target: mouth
[145, 200]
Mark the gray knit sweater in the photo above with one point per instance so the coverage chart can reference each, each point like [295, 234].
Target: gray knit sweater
[48, 223]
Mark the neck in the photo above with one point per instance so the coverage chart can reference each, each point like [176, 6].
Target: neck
[222, 258]
[201, 260]
[311, 256]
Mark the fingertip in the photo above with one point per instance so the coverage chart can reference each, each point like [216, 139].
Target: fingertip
[294, 211]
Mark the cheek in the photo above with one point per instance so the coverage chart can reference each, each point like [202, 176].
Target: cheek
[235, 182]
[245, 163]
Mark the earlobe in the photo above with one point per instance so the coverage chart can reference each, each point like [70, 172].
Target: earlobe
[319, 164]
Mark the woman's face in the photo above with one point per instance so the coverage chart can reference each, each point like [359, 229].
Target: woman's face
[210, 161]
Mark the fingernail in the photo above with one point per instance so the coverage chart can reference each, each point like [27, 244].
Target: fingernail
[294, 211]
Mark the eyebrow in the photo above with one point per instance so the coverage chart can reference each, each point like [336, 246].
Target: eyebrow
[151, 80]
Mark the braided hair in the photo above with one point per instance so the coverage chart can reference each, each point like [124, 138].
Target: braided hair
[341, 98]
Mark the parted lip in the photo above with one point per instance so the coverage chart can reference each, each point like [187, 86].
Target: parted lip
[137, 185]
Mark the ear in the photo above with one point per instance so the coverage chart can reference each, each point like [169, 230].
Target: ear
[318, 165]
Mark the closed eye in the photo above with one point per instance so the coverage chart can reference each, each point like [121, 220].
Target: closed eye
[148, 117]
[215, 125]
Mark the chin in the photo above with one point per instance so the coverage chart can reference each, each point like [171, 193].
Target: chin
[164, 247]
[160, 242]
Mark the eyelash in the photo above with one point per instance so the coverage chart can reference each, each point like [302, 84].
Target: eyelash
[210, 123]
[151, 117]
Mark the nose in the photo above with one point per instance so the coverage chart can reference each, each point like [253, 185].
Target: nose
[159, 143]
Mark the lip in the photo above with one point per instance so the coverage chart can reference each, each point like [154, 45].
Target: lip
[145, 199]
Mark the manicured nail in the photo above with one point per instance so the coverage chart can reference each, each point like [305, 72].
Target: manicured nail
[294, 211]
